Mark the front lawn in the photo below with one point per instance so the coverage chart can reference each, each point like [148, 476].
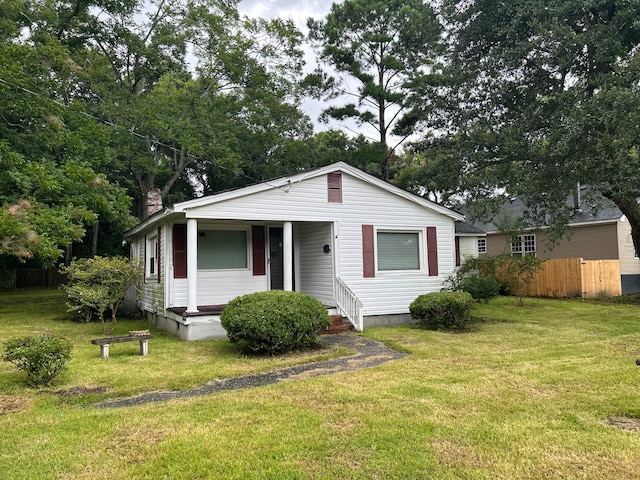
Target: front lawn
[525, 393]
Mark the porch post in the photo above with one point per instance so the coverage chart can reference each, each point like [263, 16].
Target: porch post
[287, 255]
[192, 265]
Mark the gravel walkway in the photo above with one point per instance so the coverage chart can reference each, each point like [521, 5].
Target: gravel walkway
[369, 354]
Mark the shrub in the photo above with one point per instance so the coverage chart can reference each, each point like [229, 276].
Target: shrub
[41, 357]
[98, 284]
[480, 288]
[449, 310]
[275, 321]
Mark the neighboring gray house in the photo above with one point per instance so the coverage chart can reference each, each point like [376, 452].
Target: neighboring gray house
[354, 242]
[594, 233]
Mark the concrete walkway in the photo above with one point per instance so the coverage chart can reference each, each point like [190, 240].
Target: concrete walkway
[369, 353]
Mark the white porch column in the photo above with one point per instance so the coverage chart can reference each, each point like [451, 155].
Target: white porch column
[192, 265]
[287, 255]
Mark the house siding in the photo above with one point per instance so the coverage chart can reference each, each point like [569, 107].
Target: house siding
[629, 264]
[468, 247]
[152, 290]
[590, 242]
[362, 203]
[315, 268]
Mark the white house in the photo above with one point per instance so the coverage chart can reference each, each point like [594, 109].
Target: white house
[354, 242]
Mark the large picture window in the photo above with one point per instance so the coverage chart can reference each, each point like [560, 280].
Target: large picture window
[398, 250]
[524, 245]
[222, 249]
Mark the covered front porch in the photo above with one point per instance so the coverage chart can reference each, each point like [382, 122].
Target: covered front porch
[213, 262]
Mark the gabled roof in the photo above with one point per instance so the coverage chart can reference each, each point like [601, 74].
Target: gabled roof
[182, 207]
[599, 210]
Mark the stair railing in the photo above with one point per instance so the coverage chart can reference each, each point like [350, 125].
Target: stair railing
[349, 305]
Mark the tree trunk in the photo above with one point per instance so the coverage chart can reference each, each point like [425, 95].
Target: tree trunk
[94, 239]
[631, 209]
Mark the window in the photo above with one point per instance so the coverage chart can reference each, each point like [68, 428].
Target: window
[524, 245]
[482, 245]
[222, 249]
[398, 250]
[152, 256]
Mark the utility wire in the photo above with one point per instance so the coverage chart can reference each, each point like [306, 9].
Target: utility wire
[130, 131]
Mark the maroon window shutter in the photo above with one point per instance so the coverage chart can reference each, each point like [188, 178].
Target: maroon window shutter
[457, 251]
[179, 250]
[334, 187]
[368, 252]
[144, 256]
[258, 246]
[158, 255]
[432, 251]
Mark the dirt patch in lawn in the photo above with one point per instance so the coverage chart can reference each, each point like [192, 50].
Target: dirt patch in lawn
[79, 391]
[624, 423]
[13, 403]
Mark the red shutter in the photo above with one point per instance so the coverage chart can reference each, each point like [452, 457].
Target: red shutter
[158, 256]
[144, 256]
[368, 252]
[179, 250]
[432, 251]
[457, 251]
[334, 187]
[258, 247]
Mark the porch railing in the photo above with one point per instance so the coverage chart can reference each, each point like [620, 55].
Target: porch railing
[349, 305]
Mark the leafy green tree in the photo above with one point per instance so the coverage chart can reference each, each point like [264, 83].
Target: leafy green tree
[546, 96]
[389, 49]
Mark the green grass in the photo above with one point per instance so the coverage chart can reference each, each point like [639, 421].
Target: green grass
[522, 394]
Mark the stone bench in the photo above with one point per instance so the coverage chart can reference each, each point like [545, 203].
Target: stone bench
[105, 342]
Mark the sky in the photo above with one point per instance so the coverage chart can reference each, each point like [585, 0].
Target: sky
[299, 11]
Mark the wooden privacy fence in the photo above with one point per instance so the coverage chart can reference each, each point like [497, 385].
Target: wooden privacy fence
[575, 277]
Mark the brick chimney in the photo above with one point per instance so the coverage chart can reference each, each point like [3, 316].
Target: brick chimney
[154, 201]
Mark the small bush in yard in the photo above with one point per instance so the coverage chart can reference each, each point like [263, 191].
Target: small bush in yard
[275, 321]
[41, 357]
[480, 288]
[450, 310]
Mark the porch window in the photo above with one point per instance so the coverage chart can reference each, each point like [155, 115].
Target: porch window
[398, 250]
[524, 245]
[151, 262]
[222, 249]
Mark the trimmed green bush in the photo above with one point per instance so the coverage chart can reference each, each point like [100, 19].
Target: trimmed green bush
[41, 357]
[448, 310]
[274, 321]
[480, 288]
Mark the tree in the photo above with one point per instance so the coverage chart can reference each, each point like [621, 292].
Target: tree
[547, 96]
[50, 191]
[390, 49]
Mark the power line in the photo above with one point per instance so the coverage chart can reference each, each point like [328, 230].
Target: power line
[129, 131]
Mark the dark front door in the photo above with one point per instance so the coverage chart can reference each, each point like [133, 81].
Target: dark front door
[276, 272]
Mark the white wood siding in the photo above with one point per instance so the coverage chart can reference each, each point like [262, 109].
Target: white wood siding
[315, 268]
[363, 203]
[629, 264]
[306, 201]
[468, 247]
[152, 295]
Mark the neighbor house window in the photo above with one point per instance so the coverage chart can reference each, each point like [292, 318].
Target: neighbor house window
[482, 245]
[524, 245]
[222, 249]
[398, 250]
[152, 256]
